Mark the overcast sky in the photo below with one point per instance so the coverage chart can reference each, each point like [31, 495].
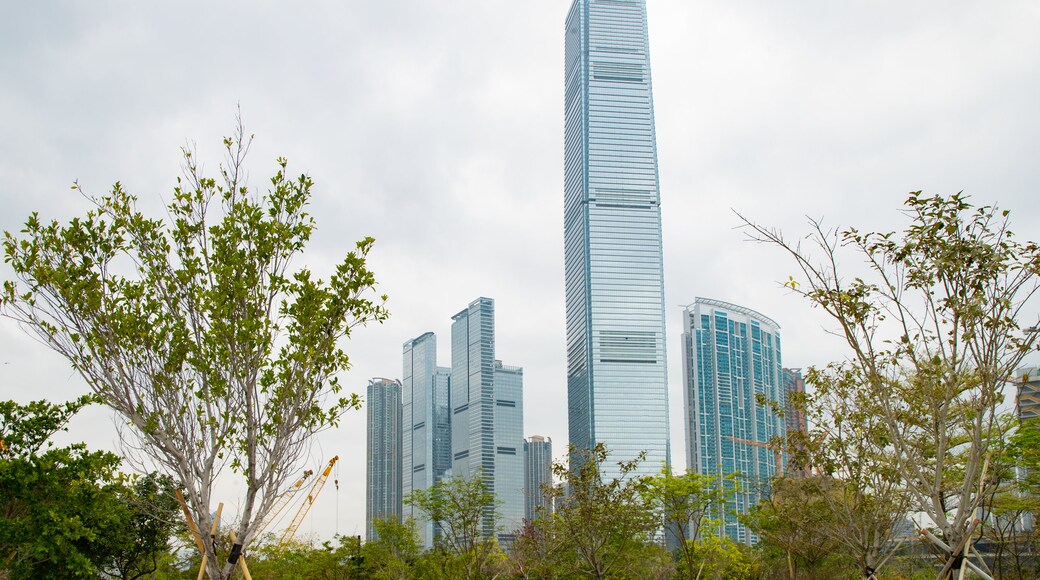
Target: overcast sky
[437, 128]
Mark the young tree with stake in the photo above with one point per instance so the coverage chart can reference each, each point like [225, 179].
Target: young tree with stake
[196, 330]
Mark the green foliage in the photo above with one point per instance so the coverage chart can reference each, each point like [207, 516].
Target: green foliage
[394, 550]
[1024, 447]
[600, 528]
[796, 520]
[718, 557]
[152, 517]
[195, 329]
[67, 512]
[302, 560]
[934, 335]
[849, 445]
[463, 509]
[685, 504]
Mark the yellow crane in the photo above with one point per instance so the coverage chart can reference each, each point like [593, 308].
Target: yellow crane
[774, 448]
[282, 502]
[307, 503]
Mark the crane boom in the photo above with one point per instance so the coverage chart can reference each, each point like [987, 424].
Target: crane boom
[282, 502]
[774, 448]
[307, 503]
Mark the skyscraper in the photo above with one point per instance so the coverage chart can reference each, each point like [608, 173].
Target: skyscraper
[537, 472]
[487, 416]
[383, 473]
[733, 372]
[509, 449]
[616, 374]
[426, 424]
[794, 419]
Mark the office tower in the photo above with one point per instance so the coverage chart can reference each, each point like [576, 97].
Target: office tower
[383, 474]
[794, 418]
[733, 372]
[1027, 401]
[509, 450]
[487, 416]
[616, 374]
[426, 424]
[794, 415]
[537, 473]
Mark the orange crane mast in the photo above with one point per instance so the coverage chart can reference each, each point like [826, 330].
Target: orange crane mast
[307, 503]
[282, 502]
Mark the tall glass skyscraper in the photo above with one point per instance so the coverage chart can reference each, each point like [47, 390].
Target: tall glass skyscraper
[509, 449]
[487, 417]
[616, 373]
[383, 473]
[732, 375]
[537, 473]
[426, 424]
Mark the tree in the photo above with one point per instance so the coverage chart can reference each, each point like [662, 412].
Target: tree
[848, 445]
[395, 548]
[720, 558]
[795, 519]
[152, 517]
[933, 329]
[306, 559]
[1016, 501]
[459, 507]
[605, 528]
[66, 511]
[59, 504]
[537, 550]
[196, 330]
[684, 504]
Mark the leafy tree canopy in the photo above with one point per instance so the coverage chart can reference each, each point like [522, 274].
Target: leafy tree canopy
[196, 328]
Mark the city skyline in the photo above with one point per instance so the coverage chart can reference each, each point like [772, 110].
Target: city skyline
[440, 136]
[617, 375]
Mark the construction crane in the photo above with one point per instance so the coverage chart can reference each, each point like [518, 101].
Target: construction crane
[282, 502]
[307, 503]
[774, 448]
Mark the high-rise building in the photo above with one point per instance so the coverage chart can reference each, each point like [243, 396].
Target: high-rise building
[616, 373]
[1027, 400]
[509, 449]
[794, 419]
[383, 473]
[487, 416]
[426, 424]
[733, 375]
[537, 473]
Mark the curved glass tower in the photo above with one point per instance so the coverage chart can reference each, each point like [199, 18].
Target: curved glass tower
[616, 374]
[733, 379]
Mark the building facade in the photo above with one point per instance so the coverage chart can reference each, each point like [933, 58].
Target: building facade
[487, 417]
[733, 373]
[614, 277]
[509, 450]
[537, 473]
[794, 417]
[1027, 399]
[384, 453]
[426, 424]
